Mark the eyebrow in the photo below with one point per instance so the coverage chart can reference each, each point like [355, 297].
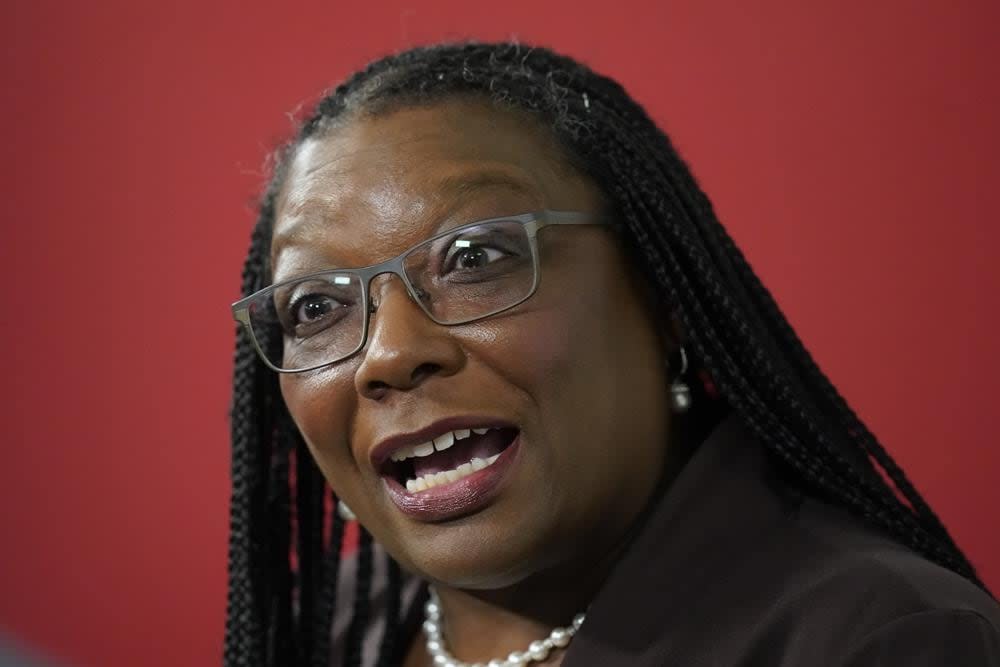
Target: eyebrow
[459, 185]
[455, 188]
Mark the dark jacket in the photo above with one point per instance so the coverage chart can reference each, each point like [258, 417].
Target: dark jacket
[732, 567]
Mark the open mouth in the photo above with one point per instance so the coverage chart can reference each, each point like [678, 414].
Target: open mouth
[448, 457]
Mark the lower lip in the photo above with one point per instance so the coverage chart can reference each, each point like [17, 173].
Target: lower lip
[455, 499]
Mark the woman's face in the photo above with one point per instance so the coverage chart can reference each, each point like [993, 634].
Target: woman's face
[571, 382]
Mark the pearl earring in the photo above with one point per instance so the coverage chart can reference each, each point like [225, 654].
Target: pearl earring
[680, 392]
[345, 512]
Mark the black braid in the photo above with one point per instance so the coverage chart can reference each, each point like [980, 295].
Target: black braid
[281, 641]
[735, 333]
[388, 652]
[327, 601]
[309, 519]
[252, 427]
[362, 601]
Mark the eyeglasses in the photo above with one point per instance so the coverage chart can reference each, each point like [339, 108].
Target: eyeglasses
[459, 276]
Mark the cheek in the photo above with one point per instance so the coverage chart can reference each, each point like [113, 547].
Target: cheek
[560, 354]
[592, 361]
[530, 350]
[321, 405]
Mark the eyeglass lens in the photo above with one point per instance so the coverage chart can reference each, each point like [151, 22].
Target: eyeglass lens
[458, 277]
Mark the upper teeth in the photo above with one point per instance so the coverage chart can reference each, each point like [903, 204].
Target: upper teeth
[439, 444]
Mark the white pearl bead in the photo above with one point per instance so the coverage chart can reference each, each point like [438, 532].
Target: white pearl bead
[432, 630]
[560, 637]
[538, 650]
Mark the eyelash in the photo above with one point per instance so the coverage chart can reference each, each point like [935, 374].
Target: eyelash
[293, 306]
[449, 260]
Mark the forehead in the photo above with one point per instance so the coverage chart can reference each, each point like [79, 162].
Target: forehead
[371, 187]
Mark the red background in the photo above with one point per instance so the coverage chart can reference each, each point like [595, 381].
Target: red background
[850, 147]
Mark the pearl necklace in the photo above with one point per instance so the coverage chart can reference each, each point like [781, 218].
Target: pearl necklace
[537, 651]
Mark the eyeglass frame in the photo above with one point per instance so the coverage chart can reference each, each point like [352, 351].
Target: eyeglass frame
[532, 222]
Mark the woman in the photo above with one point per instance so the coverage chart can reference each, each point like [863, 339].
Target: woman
[486, 302]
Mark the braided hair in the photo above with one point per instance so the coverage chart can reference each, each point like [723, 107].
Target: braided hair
[284, 556]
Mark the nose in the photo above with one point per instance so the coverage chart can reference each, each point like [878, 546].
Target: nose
[405, 348]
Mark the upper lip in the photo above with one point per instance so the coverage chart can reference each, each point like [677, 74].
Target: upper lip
[382, 450]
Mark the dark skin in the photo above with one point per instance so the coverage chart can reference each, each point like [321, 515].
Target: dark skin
[579, 367]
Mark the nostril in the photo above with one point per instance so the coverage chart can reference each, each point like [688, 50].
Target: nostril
[424, 371]
[377, 388]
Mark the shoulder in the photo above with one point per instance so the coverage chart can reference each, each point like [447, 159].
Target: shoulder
[757, 572]
[875, 602]
[850, 560]
[930, 637]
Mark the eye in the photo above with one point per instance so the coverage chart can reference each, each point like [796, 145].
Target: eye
[477, 253]
[311, 307]
[473, 257]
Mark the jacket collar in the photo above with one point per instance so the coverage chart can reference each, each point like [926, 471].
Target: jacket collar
[675, 570]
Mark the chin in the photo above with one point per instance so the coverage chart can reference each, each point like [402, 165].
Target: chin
[478, 554]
